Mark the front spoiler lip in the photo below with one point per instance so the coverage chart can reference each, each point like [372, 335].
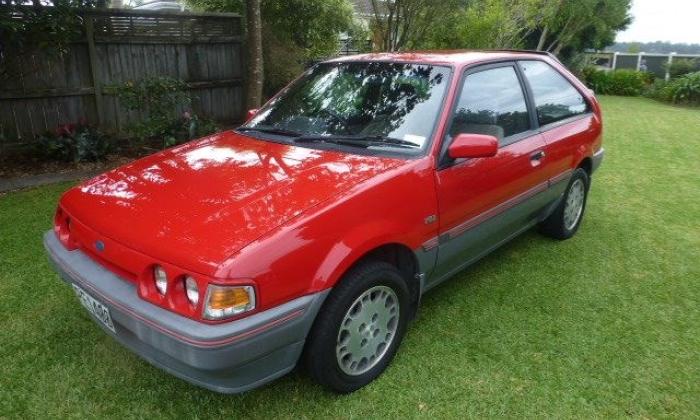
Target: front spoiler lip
[231, 357]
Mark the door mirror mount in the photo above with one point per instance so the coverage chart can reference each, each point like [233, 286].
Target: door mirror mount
[473, 146]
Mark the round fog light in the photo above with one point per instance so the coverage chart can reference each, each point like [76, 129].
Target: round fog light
[192, 290]
[161, 279]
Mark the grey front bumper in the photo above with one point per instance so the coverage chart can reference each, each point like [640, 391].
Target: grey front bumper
[231, 357]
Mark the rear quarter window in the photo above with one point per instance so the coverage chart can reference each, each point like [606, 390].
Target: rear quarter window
[555, 97]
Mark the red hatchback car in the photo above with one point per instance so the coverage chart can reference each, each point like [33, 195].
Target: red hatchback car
[311, 232]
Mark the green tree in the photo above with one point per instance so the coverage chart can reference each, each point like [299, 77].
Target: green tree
[401, 24]
[581, 24]
[46, 28]
[486, 24]
[312, 25]
[293, 32]
[504, 23]
[547, 25]
[634, 48]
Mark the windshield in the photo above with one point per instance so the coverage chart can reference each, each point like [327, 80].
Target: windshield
[394, 105]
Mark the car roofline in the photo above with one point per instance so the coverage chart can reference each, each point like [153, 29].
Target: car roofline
[536, 52]
[438, 57]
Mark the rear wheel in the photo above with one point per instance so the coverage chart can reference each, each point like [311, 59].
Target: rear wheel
[566, 218]
[360, 327]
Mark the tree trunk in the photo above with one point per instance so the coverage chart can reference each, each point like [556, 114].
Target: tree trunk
[255, 54]
[380, 25]
[543, 38]
[558, 49]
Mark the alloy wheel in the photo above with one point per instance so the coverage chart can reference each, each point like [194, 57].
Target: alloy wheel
[574, 204]
[367, 330]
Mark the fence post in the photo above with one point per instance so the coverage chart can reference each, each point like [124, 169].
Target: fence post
[639, 59]
[668, 66]
[94, 70]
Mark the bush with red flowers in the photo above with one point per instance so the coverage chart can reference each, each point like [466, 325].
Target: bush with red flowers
[78, 142]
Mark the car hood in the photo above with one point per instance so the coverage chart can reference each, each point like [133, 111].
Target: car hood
[197, 204]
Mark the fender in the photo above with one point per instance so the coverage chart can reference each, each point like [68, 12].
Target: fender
[357, 243]
[313, 251]
[582, 152]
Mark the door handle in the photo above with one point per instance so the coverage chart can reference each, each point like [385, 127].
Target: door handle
[537, 156]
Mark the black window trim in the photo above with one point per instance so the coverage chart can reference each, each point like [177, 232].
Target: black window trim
[444, 161]
[531, 96]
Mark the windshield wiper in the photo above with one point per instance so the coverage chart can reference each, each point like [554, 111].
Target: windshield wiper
[357, 141]
[271, 130]
[348, 140]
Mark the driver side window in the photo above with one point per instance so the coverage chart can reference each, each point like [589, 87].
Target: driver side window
[491, 102]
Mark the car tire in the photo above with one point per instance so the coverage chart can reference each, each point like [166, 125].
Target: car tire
[566, 218]
[359, 328]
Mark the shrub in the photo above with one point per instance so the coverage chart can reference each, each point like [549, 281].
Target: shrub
[648, 77]
[657, 90]
[188, 127]
[681, 66]
[626, 82]
[158, 100]
[618, 82]
[595, 79]
[74, 143]
[283, 62]
[684, 89]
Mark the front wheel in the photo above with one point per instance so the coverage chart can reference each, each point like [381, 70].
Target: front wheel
[566, 218]
[359, 328]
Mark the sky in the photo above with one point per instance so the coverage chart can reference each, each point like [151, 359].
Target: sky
[667, 20]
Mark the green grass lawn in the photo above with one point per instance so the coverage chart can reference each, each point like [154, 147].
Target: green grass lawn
[605, 324]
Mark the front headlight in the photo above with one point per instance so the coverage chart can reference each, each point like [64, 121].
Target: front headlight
[226, 301]
[191, 290]
[161, 279]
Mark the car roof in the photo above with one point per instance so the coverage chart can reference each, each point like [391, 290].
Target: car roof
[450, 57]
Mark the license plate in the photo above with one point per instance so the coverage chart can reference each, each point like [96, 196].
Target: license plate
[95, 307]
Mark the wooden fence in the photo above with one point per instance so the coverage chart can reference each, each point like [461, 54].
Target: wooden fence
[202, 49]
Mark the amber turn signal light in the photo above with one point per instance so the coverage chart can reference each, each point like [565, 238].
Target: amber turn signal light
[226, 301]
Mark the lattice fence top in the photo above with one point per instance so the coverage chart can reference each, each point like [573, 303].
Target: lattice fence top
[162, 25]
[156, 25]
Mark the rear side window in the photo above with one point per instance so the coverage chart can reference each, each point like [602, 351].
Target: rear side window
[491, 102]
[555, 98]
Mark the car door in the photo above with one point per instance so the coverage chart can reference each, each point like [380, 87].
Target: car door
[485, 201]
[564, 117]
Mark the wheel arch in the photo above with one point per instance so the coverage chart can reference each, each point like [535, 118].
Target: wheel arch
[583, 158]
[396, 253]
[406, 262]
[586, 164]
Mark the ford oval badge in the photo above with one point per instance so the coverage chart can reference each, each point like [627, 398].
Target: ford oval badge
[100, 246]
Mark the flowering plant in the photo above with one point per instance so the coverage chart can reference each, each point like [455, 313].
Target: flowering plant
[74, 142]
